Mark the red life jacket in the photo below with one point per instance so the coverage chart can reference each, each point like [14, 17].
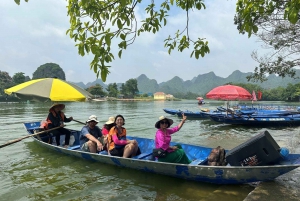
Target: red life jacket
[45, 123]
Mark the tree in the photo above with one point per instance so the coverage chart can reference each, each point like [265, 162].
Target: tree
[97, 90]
[5, 81]
[130, 88]
[277, 25]
[49, 70]
[112, 90]
[94, 24]
[18, 78]
[123, 89]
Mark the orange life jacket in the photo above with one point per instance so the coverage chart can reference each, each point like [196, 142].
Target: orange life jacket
[45, 123]
[112, 132]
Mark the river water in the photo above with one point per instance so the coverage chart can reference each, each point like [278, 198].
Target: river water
[31, 172]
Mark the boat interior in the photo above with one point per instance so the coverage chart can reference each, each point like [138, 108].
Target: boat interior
[197, 154]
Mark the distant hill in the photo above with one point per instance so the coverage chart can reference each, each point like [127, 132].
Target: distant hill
[200, 84]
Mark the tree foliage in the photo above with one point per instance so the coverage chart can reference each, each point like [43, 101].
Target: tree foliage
[95, 24]
[130, 88]
[5, 81]
[97, 90]
[112, 90]
[276, 23]
[18, 78]
[49, 70]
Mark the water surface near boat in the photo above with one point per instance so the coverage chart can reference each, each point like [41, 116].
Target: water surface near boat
[30, 172]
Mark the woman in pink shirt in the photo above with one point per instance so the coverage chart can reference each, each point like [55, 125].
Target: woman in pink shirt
[175, 154]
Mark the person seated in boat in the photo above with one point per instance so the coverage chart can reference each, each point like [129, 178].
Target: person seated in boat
[118, 145]
[57, 118]
[91, 138]
[108, 125]
[175, 154]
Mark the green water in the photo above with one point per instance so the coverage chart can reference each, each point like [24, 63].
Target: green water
[30, 172]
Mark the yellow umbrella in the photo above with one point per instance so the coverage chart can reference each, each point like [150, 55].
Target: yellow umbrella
[49, 88]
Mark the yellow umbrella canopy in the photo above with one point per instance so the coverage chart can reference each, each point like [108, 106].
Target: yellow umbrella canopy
[49, 88]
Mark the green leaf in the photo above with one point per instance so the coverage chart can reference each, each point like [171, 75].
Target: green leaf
[103, 76]
[255, 28]
[123, 3]
[119, 23]
[17, 2]
[122, 36]
[107, 39]
[120, 54]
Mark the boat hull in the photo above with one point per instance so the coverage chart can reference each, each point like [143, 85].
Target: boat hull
[257, 120]
[198, 170]
[190, 114]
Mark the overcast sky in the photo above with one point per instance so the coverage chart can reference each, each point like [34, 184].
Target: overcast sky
[33, 34]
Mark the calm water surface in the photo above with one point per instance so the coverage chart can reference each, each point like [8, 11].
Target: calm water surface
[30, 172]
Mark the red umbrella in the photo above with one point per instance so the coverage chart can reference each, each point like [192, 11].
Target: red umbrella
[229, 92]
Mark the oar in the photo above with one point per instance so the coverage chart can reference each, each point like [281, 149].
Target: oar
[79, 122]
[22, 138]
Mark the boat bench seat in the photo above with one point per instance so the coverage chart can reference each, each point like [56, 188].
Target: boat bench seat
[198, 162]
[142, 155]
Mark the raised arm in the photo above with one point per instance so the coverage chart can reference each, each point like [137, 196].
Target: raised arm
[182, 121]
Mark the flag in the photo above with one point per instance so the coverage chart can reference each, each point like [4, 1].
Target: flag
[259, 94]
[254, 96]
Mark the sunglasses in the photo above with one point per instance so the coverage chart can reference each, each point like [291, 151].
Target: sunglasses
[164, 122]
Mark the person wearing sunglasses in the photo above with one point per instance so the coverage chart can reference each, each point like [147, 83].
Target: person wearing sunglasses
[91, 138]
[175, 154]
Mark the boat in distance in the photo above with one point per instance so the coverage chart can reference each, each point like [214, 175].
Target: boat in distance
[258, 119]
[203, 114]
[198, 170]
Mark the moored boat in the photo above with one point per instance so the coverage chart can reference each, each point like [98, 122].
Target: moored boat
[203, 114]
[258, 119]
[198, 170]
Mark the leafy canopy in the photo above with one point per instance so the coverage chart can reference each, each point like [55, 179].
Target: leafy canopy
[18, 78]
[276, 23]
[95, 24]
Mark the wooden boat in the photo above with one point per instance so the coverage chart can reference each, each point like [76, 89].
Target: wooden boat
[198, 170]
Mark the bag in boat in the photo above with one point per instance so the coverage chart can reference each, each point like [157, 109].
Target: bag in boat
[217, 157]
[160, 153]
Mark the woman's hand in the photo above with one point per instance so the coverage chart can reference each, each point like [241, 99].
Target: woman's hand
[183, 118]
[174, 147]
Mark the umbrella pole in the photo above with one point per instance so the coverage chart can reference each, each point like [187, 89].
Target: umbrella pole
[22, 138]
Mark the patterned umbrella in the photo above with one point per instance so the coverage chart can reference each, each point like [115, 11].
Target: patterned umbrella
[229, 92]
[49, 88]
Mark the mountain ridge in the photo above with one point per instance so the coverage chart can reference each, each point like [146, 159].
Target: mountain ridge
[200, 84]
